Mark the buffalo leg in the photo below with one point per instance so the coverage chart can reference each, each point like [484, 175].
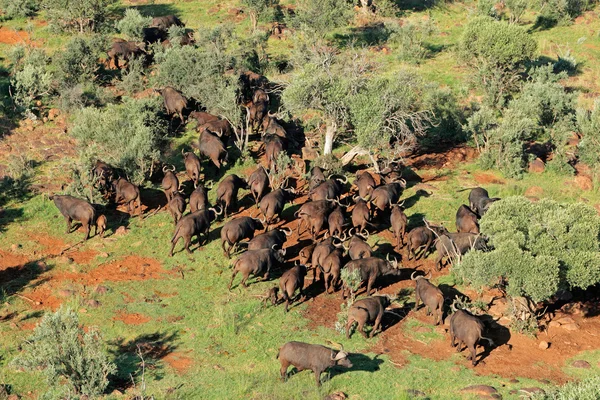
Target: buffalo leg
[348, 327]
[188, 241]
[173, 243]
[473, 350]
[318, 377]
[283, 370]
[361, 328]
[417, 300]
[231, 281]
[426, 251]
[376, 325]
[69, 220]
[86, 227]
[244, 279]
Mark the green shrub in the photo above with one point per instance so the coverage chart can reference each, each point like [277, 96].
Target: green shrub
[80, 15]
[126, 135]
[32, 80]
[257, 9]
[85, 95]
[316, 18]
[409, 40]
[133, 23]
[487, 8]
[19, 8]
[78, 63]
[62, 349]
[538, 248]
[586, 389]
[589, 125]
[132, 79]
[561, 12]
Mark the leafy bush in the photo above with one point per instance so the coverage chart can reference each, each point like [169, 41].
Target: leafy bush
[19, 8]
[126, 135]
[133, 23]
[586, 389]
[85, 95]
[78, 63]
[497, 51]
[589, 126]
[81, 15]
[31, 81]
[132, 79]
[62, 349]
[539, 248]
[257, 8]
[409, 40]
[561, 12]
[316, 18]
[447, 117]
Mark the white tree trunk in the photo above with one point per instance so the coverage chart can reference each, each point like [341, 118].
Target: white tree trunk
[329, 136]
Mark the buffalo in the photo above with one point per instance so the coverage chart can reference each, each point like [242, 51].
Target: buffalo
[221, 127]
[466, 220]
[314, 214]
[192, 166]
[125, 51]
[331, 267]
[273, 147]
[175, 102]
[453, 245]
[386, 195]
[360, 215]
[370, 269]
[193, 224]
[270, 126]
[321, 251]
[202, 117]
[199, 198]
[257, 263]
[480, 201]
[358, 246]
[129, 193]
[176, 206]
[170, 183]
[227, 191]
[431, 296]
[103, 174]
[316, 178]
[399, 222]
[422, 236]
[369, 310]
[76, 209]
[365, 183]
[466, 329]
[258, 183]
[212, 147]
[335, 222]
[236, 230]
[290, 281]
[332, 188]
[101, 225]
[305, 254]
[312, 357]
[166, 21]
[267, 240]
[272, 204]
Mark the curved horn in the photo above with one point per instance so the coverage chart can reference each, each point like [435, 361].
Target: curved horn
[273, 247]
[287, 232]
[412, 278]
[164, 169]
[387, 256]
[211, 185]
[345, 179]
[182, 153]
[365, 232]
[403, 182]
[401, 204]
[350, 231]
[283, 251]
[214, 209]
[430, 275]
[355, 198]
[264, 220]
[173, 170]
[344, 237]
[395, 263]
[453, 306]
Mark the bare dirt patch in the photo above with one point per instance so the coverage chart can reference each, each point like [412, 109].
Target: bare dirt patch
[10, 36]
[131, 319]
[447, 159]
[179, 361]
[483, 178]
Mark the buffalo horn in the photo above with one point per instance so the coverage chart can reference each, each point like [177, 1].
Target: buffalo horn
[173, 169]
[412, 276]
[286, 231]
[428, 277]
[164, 169]
[350, 231]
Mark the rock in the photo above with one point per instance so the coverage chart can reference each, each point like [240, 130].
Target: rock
[65, 293]
[566, 320]
[553, 324]
[513, 380]
[15, 247]
[121, 231]
[41, 265]
[93, 303]
[336, 396]
[495, 396]
[581, 364]
[584, 182]
[546, 381]
[103, 255]
[514, 391]
[570, 327]
[544, 345]
[532, 390]
[45, 119]
[480, 389]
[101, 289]
[65, 260]
[537, 166]
[53, 113]
[415, 393]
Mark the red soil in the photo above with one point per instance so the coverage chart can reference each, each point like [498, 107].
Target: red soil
[131, 319]
[179, 361]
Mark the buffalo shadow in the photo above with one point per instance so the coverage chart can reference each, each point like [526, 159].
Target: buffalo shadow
[499, 334]
[360, 362]
[414, 199]
[372, 34]
[15, 278]
[152, 347]
[414, 220]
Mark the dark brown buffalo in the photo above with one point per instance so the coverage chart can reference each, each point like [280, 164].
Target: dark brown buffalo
[227, 191]
[212, 147]
[431, 296]
[290, 281]
[466, 220]
[128, 193]
[202, 117]
[267, 240]
[332, 188]
[152, 34]
[314, 215]
[199, 198]
[125, 51]
[170, 183]
[305, 255]
[221, 127]
[369, 310]
[272, 204]
[358, 246]
[422, 236]
[466, 329]
[192, 166]
[399, 222]
[175, 102]
[236, 230]
[258, 182]
[370, 269]
[258, 109]
[336, 222]
[74, 209]
[480, 201]
[331, 267]
[273, 147]
[316, 178]
[103, 174]
[270, 126]
[257, 263]
[454, 245]
[191, 225]
[166, 21]
[176, 206]
[386, 195]
[101, 224]
[365, 183]
[361, 215]
[313, 357]
[320, 252]
[187, 39]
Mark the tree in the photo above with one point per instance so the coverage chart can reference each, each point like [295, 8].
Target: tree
[256, 8]
[19, 8]
[133, 23]
[81, 14]
[125, 135]
[497, 51]
[31, 79]
[538, 248]
[62, 349]
[78, 63]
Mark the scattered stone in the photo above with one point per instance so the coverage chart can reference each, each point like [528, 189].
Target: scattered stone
[415, 393]
[53, 113]
[336, 396]
[513, 380]
[570, 327]
[82, 310]
[41, 265]
[584, 182]
[546, 381]
[65, 260]
[581, 364]
[533, 390]
[553, 324]
[514, 391]
[537, 166]
[65, 293]
[121, 231]
[103, 255]
[480, 389]
[544, 345]
[15, 247]
[495, 396]
[93, 303]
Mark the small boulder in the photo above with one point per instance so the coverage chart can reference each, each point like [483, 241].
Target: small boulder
[584, 182]
[532, 390]
[101, 289]
[480, 389]
[336, 396]
[537, 166]
[121, 231]
[544, 345]
[581, 364]
[570, 327]
[93, 303]
[53, 113]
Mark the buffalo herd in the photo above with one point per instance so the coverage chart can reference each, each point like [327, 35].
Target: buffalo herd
[336, 219]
